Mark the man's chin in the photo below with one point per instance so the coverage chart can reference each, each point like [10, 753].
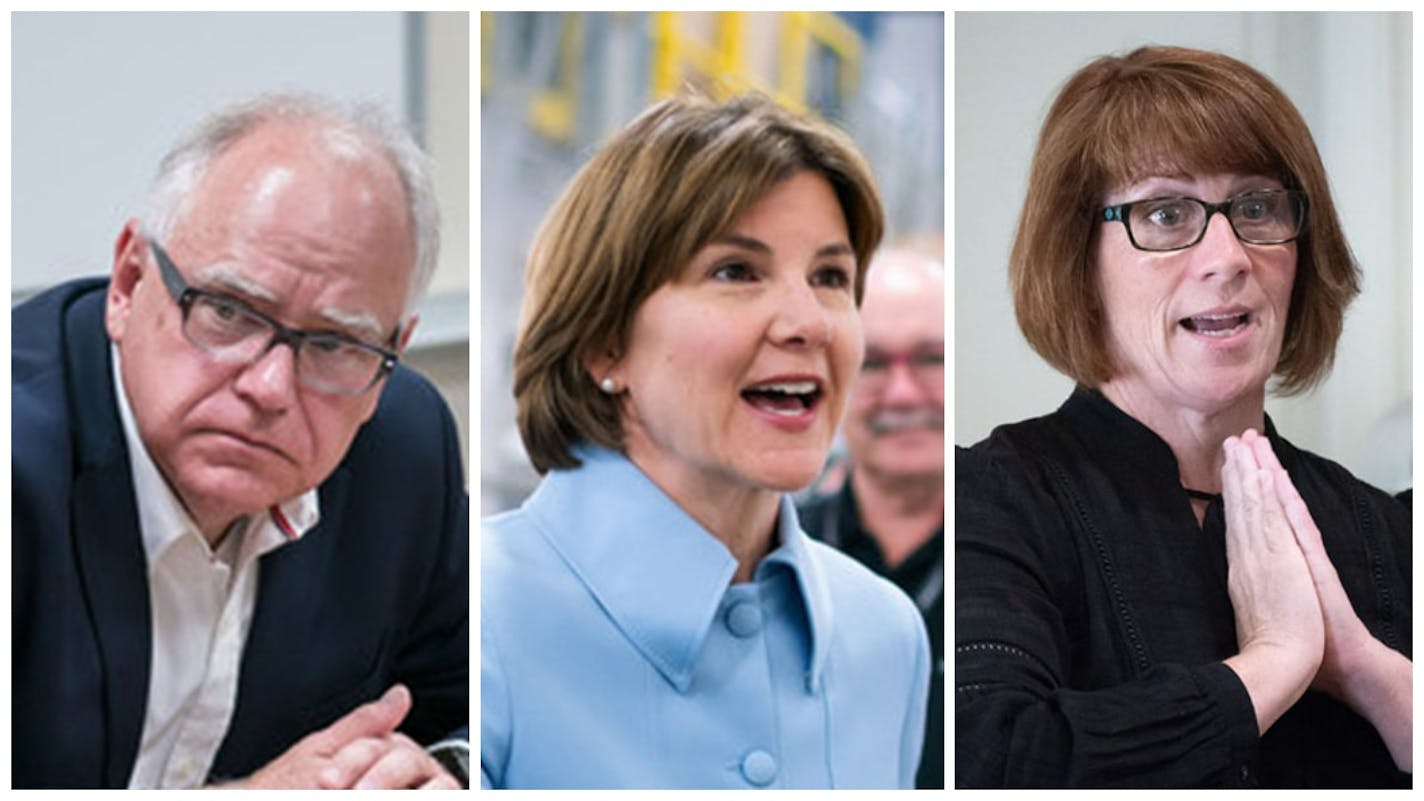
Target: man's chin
[230, 492]
[910, 462]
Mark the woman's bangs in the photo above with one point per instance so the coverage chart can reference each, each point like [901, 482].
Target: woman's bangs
[1171, 136]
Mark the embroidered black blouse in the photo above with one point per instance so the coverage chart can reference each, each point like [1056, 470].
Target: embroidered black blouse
[1091, 616]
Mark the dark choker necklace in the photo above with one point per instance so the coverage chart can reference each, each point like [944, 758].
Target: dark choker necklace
[1199, 495]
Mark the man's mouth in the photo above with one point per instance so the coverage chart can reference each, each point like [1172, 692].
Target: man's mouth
[892, 421]
[784, 398]
[255, 444]
[1217, 325]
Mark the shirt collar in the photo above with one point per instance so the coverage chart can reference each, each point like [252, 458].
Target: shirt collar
[657, 573]
[162, 518]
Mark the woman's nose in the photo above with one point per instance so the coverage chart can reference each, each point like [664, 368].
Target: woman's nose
[800, 318]
[1220, 253]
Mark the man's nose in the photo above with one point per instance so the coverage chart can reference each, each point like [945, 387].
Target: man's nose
[270, 381]
[901, 384]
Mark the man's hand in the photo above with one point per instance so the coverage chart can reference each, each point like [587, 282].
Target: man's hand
[361, 750]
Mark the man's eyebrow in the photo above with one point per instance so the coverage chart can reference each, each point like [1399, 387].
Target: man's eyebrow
[225, 276]
[363, 323]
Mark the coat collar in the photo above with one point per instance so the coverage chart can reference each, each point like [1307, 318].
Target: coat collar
[654, 570]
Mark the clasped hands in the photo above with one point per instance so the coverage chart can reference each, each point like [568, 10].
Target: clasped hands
[361, 751]
[1295, 625]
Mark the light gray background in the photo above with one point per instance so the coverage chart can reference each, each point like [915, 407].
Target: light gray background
[97, 98]
[1349, 74]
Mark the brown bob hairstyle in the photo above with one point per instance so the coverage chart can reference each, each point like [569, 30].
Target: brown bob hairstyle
[674, 179]
[1167, 111]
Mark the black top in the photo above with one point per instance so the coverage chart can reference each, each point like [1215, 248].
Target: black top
[1091, 616]
[834, 519]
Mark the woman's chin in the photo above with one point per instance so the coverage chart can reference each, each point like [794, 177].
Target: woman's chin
[788, 472]
[1220, 392]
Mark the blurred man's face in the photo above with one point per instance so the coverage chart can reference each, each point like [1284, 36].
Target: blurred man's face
[895, 426]
[309, 234]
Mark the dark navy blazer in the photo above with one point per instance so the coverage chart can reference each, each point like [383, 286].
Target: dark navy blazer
[377, 592]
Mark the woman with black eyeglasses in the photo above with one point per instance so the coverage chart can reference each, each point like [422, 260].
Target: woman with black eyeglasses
[1153, 587]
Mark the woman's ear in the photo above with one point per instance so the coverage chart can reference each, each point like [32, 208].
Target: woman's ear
[602, 366]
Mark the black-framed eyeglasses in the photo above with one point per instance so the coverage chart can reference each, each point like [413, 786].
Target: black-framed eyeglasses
[1260, 217]
[235, 333]
[925, 364]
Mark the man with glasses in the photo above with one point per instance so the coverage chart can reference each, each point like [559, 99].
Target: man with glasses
[889, 512]
[240, 529]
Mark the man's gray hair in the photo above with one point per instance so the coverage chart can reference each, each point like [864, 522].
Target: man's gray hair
[347, 127]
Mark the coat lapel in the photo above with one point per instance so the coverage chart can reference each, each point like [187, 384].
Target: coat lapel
[108, 545]
[289, 587]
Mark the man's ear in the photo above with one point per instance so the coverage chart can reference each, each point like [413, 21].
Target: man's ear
[124, 278]
[404, 339]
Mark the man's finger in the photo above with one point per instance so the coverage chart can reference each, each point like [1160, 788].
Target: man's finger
[352, 761]
[405, 765]
[442, 782]
[375, 719]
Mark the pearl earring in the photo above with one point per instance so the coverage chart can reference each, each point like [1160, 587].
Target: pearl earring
[608, 385]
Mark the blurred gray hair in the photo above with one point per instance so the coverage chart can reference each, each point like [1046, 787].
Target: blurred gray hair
[349, 129]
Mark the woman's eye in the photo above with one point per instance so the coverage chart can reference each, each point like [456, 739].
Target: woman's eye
[1166, 215]
[1255, 209]
[732, 271]
[832, 277]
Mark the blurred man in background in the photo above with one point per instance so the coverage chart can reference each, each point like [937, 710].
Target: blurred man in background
[889, 511]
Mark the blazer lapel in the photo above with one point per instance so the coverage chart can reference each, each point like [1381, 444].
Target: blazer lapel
[289, 584]
[108, 545]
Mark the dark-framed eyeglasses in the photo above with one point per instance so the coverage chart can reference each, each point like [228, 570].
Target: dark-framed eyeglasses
[925, 364]
[235, 333]
[1259, 217]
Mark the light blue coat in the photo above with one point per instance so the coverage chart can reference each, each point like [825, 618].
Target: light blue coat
[615, 652]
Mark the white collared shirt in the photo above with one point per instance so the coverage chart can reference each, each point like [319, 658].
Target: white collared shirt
[202, 602]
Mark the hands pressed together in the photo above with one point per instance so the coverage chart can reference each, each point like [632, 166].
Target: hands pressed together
[1295, 625]
[361, 751]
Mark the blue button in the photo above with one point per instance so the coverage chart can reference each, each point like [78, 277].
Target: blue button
[759, 768]
[744, 619]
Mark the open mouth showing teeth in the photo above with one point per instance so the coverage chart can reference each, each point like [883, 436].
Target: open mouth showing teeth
[788, 398]
[1217, 325]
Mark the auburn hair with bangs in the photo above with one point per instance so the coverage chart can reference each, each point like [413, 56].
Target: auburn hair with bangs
[674, 179]
[1168, 111]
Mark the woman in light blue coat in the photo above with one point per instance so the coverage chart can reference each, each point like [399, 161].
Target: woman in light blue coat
[653, 615]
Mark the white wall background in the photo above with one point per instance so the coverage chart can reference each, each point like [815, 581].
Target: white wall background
[98, 98]
[1349, 74]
